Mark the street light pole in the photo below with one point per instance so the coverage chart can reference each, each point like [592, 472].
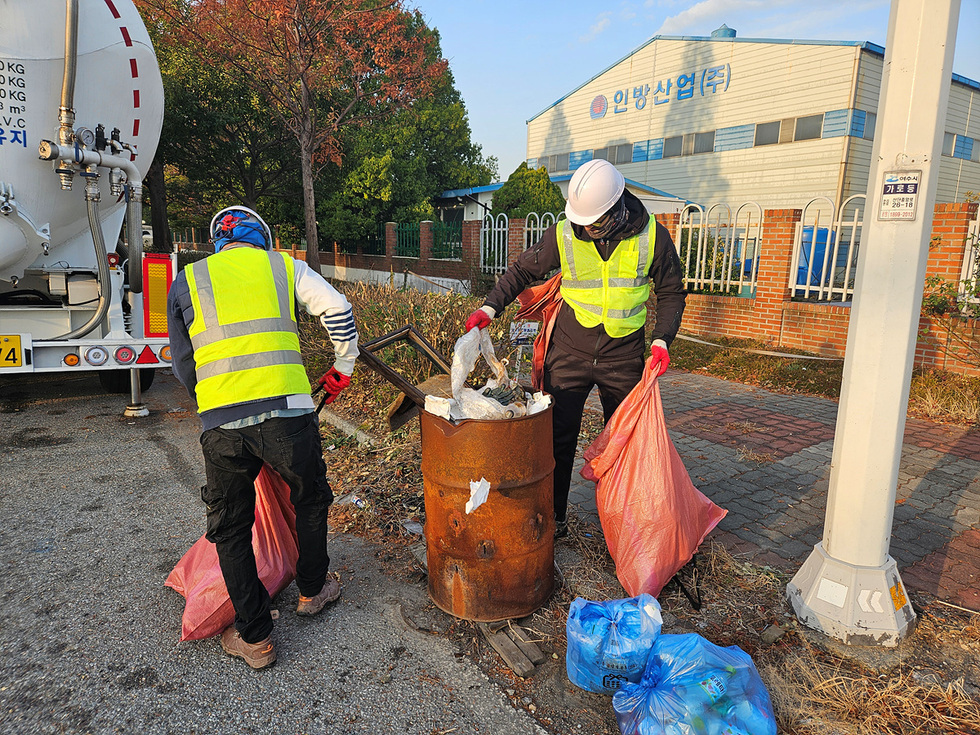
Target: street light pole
[849, 587]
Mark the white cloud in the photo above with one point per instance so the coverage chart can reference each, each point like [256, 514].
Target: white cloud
[855, 20]
[600, 24]
[703, 17]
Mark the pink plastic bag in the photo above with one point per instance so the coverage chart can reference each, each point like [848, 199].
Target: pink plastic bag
[652, 516]
[197, 576]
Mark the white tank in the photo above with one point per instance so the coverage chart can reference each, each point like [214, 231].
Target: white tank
[117, 85]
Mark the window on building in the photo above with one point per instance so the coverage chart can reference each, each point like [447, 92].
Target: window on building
[767, 133]
[554, 163]
[948, 140]
[869, 125]
[601, 153]
[624, 153]
[809, 127]
[704, 142]
[673, 146]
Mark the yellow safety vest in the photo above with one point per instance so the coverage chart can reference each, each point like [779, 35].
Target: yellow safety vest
[612, 293]
[244, 334]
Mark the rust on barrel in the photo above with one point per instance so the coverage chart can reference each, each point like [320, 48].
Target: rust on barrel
[497, 562]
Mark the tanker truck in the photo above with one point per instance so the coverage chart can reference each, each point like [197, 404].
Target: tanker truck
[81, 110]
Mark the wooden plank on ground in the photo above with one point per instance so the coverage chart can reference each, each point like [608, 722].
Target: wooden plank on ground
[508, 650]
[418, 551]
[528, 647]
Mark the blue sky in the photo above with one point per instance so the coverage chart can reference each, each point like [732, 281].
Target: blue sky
[512, 59]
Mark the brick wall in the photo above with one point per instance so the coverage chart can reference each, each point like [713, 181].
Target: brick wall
[771, 316]
[821, 328]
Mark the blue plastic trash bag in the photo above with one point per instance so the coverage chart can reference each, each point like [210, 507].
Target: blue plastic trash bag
[609, 642]
[693, 687]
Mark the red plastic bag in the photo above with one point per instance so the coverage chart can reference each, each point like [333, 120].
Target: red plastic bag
[541, 304]
[197, 576]
[652, 516]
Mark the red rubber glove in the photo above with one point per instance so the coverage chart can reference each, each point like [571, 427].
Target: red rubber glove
[478, 318]
[659, 359]
[332, 383]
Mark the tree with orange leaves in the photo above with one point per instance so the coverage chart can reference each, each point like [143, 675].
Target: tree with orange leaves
[319, 64]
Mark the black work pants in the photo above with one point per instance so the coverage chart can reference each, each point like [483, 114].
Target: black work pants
[232, 460]
[569, 379]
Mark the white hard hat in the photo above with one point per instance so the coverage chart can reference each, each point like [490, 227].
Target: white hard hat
[594, 188]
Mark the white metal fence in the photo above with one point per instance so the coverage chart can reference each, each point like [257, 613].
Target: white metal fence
[493, 244]
[719, 249]
[826, 249]
[535, 224]
[970, 275]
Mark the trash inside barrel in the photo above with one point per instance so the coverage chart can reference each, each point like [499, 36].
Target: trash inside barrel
[497, 561]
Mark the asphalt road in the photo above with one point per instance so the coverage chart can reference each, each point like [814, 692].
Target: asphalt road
[97, 508]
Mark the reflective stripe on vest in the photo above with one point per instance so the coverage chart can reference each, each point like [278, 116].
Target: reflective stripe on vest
[244, 334]
[612, 293]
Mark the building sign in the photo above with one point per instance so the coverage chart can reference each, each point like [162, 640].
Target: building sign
[899, 195]
[702, 83]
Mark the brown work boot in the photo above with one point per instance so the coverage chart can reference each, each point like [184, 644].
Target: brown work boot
[312, 605]
[257, 655]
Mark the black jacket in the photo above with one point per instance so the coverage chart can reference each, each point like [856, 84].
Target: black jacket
[539, 261]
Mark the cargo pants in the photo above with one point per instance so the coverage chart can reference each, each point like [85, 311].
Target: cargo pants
[569, 379]
[232, 460]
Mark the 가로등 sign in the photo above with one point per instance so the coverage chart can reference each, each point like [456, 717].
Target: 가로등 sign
[899, 195]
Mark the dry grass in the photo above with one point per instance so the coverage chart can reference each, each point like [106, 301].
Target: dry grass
[944, 397]
[747, 454]
[814, 694]
[813, 691]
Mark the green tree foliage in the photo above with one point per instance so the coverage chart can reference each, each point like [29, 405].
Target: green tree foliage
[393, 168]
[527, 191]
[318, 66]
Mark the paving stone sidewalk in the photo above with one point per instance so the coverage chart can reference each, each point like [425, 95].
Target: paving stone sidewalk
[765, 457]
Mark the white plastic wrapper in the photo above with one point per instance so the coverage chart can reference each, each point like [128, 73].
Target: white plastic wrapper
[469, 403]
[479, 491]
[538, 403]
[441, 407]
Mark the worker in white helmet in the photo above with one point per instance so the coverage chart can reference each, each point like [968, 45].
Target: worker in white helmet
[612, 255]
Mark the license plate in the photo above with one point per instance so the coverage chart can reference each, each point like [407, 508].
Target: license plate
[11, 356]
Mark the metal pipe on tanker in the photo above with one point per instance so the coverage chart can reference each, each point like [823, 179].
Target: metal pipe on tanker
[66, 114]
[134, 232]
[102, 263]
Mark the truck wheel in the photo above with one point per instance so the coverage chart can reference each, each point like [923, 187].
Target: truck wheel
[117, 381]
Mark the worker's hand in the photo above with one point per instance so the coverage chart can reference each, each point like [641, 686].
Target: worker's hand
[332, 383]
[659, 359]
[480, 318]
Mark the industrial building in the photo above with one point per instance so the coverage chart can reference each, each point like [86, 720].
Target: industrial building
[727, 119]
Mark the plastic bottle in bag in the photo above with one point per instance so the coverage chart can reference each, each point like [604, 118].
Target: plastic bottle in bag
[746, 717]
[707, 700]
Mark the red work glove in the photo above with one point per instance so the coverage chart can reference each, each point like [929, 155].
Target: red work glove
[659, 359]
[332, 383]
[478, 318]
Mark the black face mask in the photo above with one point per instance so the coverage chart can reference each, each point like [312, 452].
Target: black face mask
[610, 223]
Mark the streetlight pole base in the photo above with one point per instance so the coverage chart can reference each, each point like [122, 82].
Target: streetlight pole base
[861, 606]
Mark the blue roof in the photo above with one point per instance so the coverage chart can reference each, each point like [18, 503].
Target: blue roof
[555, 179]
[866, 45]
[632, 184]
[467, 192]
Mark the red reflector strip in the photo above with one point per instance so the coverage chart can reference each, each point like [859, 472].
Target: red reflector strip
[133, 68]
[147, 357]
[136, 98]
[125, 34]
[112, 9]
[136, 127]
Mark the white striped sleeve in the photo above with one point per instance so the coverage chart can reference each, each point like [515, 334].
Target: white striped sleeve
[321, 299]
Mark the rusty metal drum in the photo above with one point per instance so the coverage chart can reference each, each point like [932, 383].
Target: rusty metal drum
[497, 562]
